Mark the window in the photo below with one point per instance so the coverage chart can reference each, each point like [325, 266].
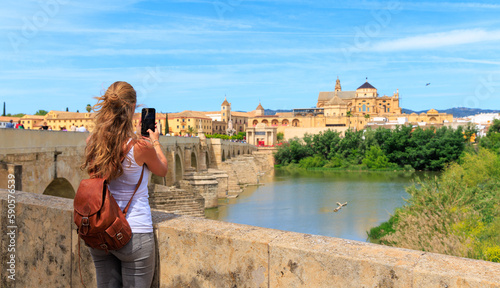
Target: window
[189, 120]
[359, 109]
[177, 121]
[388, 109]
[368, 109]
[177, 126]
[223, 108]
[364, 108]
[223, 114]
[182, 126]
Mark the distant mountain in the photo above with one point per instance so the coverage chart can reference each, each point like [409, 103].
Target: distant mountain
[273, 112]
[457, 112]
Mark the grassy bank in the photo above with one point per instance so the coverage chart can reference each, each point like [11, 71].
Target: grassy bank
[457, 213]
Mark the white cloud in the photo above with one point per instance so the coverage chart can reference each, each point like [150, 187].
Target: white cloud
[437, 40]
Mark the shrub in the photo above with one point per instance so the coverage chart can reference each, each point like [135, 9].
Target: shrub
[312, 162]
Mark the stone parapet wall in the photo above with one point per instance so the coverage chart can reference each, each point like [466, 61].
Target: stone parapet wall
[197, 252]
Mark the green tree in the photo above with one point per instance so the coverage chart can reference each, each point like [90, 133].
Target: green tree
[191, 130]
[492, 139]
[325, 143]
[280, 136]
[312, 162]
[167, 129]
[494, 127]
[375, 158]
[240, 136]
[41, 112]
[395, 144]
[88, 108]
[292, 152]
[469, 131]
[349, 115]
[16, 115]
[350, 147]
[455, 214]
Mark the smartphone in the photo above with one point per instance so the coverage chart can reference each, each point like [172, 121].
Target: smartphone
[148, 120]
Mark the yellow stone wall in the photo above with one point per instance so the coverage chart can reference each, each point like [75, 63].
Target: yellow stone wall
[179, 125]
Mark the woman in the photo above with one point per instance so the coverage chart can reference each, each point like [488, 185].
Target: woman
[133, 265]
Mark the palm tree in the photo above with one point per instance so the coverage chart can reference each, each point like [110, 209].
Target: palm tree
[167, 129]
[190, 130]
[349, 115]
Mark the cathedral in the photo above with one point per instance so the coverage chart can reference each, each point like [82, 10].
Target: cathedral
[341, 110]
[363, 101]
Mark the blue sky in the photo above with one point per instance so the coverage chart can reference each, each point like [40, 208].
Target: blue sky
[187, 55]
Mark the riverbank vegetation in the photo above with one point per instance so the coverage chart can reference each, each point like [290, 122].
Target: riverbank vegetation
[404, 148]
[457, 213]
[240, 136]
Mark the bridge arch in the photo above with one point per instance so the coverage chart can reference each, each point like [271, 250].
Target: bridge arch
[207, 159]
[179, 170]
[60, 187]
[194, 161]
[179, 164]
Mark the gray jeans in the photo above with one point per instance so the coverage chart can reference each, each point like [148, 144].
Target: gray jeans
[131, 266]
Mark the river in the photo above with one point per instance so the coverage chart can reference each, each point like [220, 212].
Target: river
[304, 202]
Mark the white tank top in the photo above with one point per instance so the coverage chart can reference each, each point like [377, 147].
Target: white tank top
[122, 188]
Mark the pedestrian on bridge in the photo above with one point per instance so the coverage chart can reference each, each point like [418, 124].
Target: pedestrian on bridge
[134, 264]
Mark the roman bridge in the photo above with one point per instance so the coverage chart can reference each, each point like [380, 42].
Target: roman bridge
[48, 162]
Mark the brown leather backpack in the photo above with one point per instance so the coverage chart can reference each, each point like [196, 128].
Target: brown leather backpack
[101, 223]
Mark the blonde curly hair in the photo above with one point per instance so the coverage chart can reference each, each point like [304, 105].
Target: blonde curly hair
[113, 128]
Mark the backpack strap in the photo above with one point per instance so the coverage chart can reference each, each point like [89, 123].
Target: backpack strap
[136, 187]
[130, 144]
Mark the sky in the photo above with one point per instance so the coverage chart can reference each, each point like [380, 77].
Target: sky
[189, 55]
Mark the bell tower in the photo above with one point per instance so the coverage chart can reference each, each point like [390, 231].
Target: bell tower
[225, 111]
[337, 85]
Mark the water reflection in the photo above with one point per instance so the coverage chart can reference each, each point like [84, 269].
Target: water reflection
[304, 202]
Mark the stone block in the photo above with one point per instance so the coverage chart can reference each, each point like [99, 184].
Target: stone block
[436, 270]
[302, 260]
[86, 264]
[198, 252]
[43, 241]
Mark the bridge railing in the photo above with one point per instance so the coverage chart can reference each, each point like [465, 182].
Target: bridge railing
[195, 252]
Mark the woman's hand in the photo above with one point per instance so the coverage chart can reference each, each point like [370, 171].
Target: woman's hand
[151, 154]
[154, 135]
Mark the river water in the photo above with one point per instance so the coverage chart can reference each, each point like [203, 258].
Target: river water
[304, 202]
